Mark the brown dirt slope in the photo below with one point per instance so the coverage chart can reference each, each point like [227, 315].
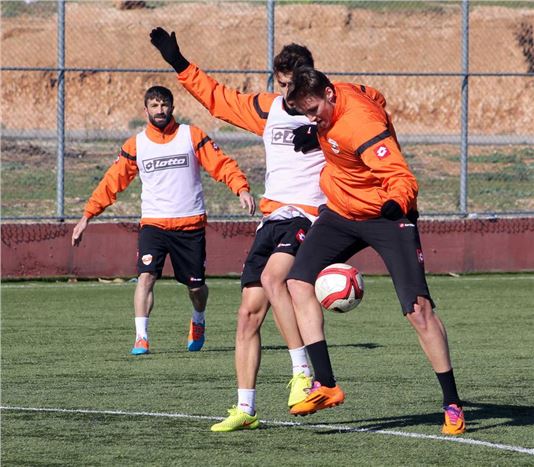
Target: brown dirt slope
[219, 35]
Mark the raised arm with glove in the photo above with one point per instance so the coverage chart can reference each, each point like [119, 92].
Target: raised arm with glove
[168, 46]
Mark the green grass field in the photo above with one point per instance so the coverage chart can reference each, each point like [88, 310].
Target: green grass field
[500, 179]
[72, 394]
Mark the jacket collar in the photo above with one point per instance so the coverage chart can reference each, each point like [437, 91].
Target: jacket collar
[157, 135]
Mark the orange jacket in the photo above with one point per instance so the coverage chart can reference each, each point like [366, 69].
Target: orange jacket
[117, 178]
[364, 164]
[248, 111]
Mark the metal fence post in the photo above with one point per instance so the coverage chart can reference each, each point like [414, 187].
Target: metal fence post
[60, 113]
[270, 43]
[464, 143]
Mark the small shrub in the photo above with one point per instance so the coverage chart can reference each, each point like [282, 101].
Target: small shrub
[525, 38]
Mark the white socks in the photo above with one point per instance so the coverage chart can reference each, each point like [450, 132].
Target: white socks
[299, 361]
[141, 326]
[141, 323]
[246, 400]
[198, 317]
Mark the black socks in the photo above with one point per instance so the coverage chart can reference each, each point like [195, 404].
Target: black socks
[318, 353]
[448, 386]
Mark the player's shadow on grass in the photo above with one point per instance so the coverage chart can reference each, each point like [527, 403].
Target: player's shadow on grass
[476, 416]
[363, 345]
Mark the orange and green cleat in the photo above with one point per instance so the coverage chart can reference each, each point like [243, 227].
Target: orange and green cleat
[319, 397]
[454, 420]
[196, 337]
[140, 347]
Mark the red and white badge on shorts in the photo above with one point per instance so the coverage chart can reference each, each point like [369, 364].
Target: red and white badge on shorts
[301, 235]
[382, 151]
[420, 256]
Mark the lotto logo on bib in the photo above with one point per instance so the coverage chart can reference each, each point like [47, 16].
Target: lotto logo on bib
[301, 235]
[382, 151]
[165, 163]
[282, 136]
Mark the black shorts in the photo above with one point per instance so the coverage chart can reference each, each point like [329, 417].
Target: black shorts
[283, 236]
[335, 239]
[186, 248]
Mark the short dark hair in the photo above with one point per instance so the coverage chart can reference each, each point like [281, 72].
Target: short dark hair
[307, 81]
[292, 56]
[159, 93]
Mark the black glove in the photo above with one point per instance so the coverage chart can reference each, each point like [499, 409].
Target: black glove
[391, 210]
[305, 138]
[169, 49]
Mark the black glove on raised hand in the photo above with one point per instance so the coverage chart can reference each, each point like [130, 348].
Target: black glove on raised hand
[391, 210]
[305, 138]
[168, 48]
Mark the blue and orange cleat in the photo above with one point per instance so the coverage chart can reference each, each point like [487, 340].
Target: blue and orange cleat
[140, 347]
[196, 337]
[454, 420]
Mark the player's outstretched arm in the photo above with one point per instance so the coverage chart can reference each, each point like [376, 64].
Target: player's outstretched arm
[78, 231]
[168, 47]
[245, 110]
[247, 202]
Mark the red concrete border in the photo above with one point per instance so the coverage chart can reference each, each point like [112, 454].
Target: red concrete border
[109, 249]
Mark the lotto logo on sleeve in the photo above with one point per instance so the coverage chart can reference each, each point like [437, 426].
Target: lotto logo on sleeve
[382, 151]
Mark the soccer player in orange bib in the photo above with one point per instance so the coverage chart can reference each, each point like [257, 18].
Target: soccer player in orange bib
[167, 156]
[289, 206]
[371, 196]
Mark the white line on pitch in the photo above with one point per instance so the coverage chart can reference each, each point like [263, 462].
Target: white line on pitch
[406, 434]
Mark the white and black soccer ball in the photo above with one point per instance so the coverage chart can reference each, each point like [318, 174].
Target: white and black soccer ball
[339, 287]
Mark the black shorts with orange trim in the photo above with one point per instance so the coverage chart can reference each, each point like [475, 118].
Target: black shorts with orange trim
[186, 248]
[283, 236]
[335, 239]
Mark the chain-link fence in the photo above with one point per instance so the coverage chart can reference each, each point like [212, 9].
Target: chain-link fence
[458, 78]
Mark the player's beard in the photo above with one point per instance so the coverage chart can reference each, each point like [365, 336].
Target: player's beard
[160, 124]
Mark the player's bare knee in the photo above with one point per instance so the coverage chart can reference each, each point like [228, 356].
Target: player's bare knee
[272, 283]
[417, 319]
[146, 279]
[203, 289]
[422, 314]
[296, 287]
[249, 320]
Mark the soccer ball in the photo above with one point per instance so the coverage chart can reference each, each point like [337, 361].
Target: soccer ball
[339, 287]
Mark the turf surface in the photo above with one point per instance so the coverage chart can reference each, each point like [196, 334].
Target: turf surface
[65, 348]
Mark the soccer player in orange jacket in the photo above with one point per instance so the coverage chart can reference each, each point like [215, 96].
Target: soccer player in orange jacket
[289, 206]
[371, 202]
[168, 156]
